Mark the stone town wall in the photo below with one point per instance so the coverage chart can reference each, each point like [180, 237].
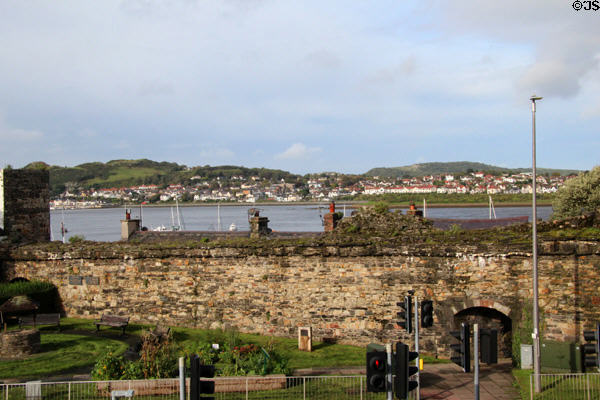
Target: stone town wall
[24, 202]
[343, 292]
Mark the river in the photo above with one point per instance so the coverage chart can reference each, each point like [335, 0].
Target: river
[104, 224]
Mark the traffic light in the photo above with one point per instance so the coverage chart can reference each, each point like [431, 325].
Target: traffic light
[489, 345]
[376, 371]
[463, 348]
[591, 351]
[198, 386]
[406, 314]
[403, 371]
[426, 313]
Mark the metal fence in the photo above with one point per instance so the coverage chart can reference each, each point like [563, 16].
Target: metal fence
[567, 387]
[233, 388]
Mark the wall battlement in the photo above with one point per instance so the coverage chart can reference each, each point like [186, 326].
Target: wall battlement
[24, 204]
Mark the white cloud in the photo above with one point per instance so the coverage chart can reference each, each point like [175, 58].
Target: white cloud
[298, 151]
[561, 41]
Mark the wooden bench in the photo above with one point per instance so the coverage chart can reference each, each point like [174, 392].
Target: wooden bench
[40, 319]
[115, 321]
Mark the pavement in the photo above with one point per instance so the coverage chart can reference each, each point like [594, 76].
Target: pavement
[448, 381]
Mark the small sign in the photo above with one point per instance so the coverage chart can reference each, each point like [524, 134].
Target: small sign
[92, 280]
[75, 280]
[215, 346]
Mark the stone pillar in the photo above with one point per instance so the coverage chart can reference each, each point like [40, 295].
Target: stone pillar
[330, 220]
[25, 204]
[128, 227]
[259, 226]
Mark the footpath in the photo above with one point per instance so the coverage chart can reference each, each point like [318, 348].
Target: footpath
[447, 381]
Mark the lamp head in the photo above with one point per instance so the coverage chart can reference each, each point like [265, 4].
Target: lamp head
[535, 97]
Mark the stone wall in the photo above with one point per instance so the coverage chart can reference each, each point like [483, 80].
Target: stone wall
[343, 292]
[24, 202]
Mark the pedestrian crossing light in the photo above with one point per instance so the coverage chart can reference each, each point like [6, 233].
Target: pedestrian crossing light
[591, 350]
[405, 314]
[426, 313]
[463, 348]
[198, 386]
[403, 384]
[376, 371]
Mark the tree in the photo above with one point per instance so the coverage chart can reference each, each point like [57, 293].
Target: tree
[579, 195]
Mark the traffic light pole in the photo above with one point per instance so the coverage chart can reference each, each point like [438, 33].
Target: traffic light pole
[417, 347]
[476, 358]
[389, 387]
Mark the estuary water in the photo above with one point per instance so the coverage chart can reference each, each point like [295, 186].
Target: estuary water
[104, 224]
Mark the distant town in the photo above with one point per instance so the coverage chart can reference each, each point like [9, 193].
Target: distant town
[317, 187]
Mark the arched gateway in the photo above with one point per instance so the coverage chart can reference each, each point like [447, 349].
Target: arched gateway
[490, 315]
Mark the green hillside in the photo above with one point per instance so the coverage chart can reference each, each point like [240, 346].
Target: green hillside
[123, 173]
[459, 167]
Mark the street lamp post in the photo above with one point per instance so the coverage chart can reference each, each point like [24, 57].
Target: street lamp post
[536, 316]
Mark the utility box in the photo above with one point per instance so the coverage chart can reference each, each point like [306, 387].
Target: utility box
[526, 356]
[305, 338]
[33, 390]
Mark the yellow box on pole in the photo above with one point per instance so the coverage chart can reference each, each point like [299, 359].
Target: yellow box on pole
[420, 364]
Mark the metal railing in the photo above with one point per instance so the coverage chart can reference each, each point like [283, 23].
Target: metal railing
[567, 387]
[230, 388]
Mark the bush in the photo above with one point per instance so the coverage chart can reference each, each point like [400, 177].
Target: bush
[381, 207]
[158, 359]
[578, 196]
[252, 360]
[109, 367]
[76, 239]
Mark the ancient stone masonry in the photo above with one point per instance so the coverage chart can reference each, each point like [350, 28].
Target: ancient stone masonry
[24, 204]
[344, 292]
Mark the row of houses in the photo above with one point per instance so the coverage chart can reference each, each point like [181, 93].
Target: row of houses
[322, 188]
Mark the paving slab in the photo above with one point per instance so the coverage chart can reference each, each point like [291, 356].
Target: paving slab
[449, 382]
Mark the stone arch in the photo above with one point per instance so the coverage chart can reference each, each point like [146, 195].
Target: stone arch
[488, 314]
[19, 279]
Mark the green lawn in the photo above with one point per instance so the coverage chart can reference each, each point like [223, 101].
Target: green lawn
[522, 382]
[323, 354]
[60, 353]
[564, 387]
[64, 352]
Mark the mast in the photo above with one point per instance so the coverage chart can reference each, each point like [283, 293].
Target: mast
[218, 217]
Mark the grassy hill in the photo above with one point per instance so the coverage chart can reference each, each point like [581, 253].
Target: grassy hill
[122, 173]
[459, 167]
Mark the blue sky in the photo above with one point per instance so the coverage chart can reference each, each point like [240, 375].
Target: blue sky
[304, 86]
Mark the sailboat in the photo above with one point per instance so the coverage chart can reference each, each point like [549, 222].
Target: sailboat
[179, 226]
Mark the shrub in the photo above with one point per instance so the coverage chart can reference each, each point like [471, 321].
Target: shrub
[158, 357]
[76, 239]
[109, 367]
[252, 360]
[578, 195]
[381, 207]
[204, 350]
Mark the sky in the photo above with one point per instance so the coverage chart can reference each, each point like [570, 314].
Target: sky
[303, 86]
